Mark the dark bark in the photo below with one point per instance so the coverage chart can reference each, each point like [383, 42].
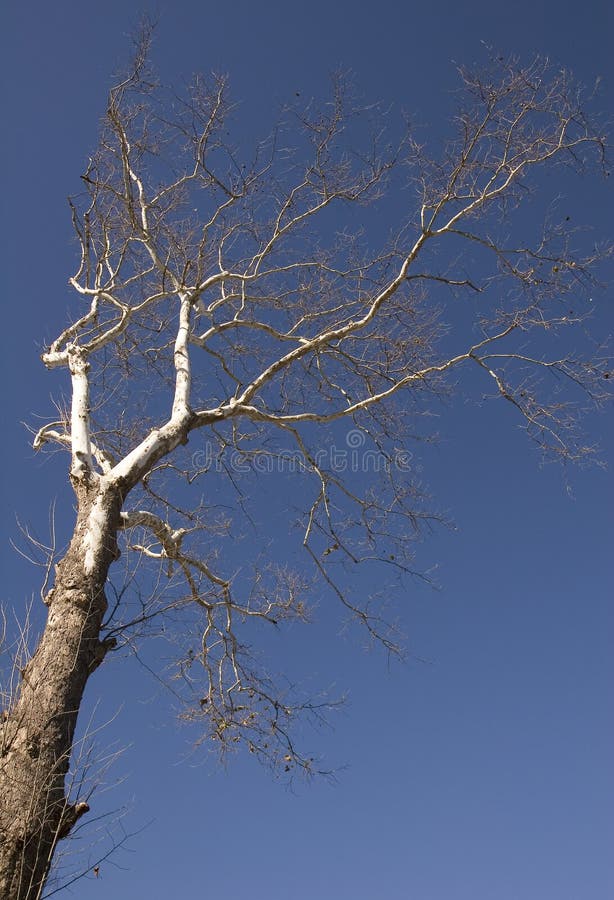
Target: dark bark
[37, 732]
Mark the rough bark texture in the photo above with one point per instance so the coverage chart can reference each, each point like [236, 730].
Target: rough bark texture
[37, 732]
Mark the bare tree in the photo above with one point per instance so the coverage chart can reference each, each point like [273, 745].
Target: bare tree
[239, 299]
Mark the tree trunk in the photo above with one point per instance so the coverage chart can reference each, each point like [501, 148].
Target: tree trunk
[37, 732]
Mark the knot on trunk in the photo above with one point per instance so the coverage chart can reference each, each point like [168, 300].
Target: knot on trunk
[71, 815]
[100, 651]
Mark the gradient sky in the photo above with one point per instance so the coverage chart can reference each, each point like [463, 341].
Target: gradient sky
[481, 768]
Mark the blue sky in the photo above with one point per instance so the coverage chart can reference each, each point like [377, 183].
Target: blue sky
[480, 769]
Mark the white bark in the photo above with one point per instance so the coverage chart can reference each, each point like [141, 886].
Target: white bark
[181, 357]
[81, 450]
[94, 537]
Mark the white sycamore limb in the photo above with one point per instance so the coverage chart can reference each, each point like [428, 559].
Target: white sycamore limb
[81, 450]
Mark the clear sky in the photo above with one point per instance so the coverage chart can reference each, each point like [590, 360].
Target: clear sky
[479, 770]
